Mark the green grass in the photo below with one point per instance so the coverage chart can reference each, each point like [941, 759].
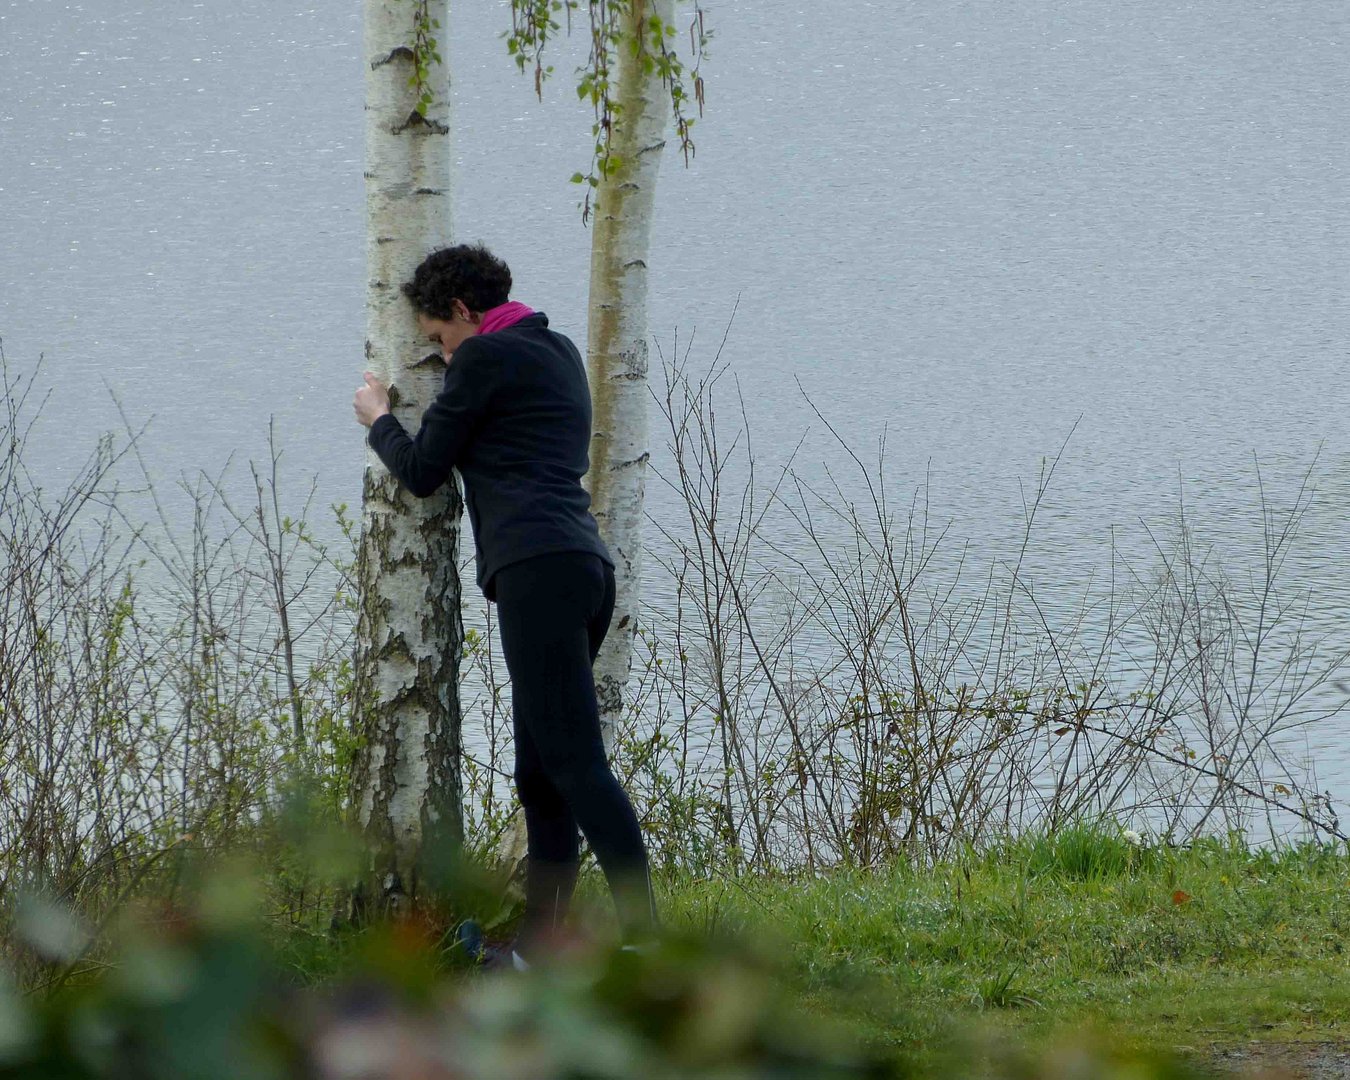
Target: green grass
[1025, 962]
[1041, 940]
[1156, 947]
[1146, 947]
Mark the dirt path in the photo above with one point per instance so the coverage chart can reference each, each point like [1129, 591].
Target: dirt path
[1283, 1061]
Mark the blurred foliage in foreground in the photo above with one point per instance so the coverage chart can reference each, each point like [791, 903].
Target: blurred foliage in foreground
[204, 994]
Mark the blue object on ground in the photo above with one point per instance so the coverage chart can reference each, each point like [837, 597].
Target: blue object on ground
[469, 937]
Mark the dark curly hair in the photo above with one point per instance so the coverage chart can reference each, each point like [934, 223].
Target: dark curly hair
[469, 273]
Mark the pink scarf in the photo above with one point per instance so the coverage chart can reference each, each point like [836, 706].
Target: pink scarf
[502, 316]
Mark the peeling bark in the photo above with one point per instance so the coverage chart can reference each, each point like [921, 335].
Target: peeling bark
[406, 780]
[618, 346]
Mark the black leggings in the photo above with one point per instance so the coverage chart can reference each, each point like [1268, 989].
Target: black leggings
[553, 612]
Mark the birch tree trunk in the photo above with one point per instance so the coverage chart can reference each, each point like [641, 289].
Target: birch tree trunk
[618, 346]
[406, 778]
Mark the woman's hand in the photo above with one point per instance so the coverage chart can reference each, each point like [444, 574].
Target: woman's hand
[371, 402]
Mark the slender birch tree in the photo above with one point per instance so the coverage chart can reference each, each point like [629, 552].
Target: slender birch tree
[617, 347]
[406, 780]
[637, 83]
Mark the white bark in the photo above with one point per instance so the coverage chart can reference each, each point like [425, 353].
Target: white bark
[407, 780]
[618, 346]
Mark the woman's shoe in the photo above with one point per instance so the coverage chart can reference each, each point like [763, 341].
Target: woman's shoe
[469, 940]
[489, 957]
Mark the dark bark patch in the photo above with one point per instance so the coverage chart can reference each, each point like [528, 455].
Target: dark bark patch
[403, 52]
[416, 120]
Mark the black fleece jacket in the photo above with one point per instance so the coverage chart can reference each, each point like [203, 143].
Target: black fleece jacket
[514, 417]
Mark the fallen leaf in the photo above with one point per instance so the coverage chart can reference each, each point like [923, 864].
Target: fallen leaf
[1179, 897]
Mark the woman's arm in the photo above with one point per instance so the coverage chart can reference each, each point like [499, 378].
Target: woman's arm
[422, 463]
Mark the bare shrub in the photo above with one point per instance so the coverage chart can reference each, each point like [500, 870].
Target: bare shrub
[148, 718]
[949, 709]
[826, 678]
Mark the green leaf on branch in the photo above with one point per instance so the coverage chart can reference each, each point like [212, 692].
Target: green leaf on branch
[619, 29]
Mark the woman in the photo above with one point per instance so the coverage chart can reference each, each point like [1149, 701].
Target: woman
[514, 417]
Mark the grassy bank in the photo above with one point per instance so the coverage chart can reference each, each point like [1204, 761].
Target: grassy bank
[1188, 948]
[1075, 955]
[176, 695]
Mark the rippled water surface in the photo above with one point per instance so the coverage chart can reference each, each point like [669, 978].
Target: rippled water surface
[976, 227]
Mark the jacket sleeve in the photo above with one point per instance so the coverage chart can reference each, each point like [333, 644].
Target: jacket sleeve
[423, 462]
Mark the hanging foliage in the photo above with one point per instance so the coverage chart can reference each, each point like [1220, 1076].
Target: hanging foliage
[425, 53]
[534, 23]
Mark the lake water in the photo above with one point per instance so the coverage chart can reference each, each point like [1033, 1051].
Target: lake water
[972, 226]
